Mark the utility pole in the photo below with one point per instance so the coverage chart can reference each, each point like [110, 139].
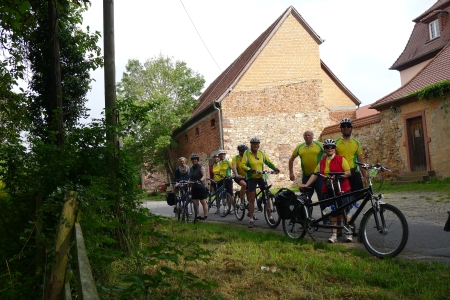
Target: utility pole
[110, 71]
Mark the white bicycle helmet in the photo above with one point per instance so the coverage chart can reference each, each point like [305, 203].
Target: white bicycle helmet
[346, 121]
[329, 142]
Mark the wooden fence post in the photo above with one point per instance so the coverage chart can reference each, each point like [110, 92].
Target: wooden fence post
[55, 283]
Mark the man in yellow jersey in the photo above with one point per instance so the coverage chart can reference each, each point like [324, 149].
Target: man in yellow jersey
[351, 149]
[225, 170]
[238, 171]
[254, 160]
[310, 153]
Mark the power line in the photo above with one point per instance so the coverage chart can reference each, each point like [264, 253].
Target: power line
[200, 36]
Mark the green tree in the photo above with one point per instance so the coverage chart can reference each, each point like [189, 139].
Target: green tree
[155, 98]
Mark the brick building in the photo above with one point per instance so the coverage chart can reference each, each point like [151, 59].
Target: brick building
[275, 90]
[409, 134]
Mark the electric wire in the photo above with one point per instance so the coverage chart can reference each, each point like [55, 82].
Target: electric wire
[200, 36]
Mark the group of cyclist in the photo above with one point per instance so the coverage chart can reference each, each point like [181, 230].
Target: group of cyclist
[338, 155]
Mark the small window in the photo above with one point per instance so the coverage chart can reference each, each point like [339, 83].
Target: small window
[213, 123]
[197, 132]
[434, 29]
[186, 138]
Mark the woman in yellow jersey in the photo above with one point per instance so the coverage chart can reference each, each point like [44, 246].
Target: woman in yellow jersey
[215, 171]
[254, 160]
[333, 163]
[237, 170]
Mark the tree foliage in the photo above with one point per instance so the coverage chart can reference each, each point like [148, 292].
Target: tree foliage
[155, 98]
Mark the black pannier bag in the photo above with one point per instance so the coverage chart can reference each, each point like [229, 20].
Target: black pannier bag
[447, 224]
[286, 203]
[171, 198]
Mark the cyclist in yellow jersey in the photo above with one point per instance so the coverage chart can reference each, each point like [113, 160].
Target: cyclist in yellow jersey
[254, 160]
[225, 170]
[215, 175]
[351, 149]
[310, 153]
[238, 171]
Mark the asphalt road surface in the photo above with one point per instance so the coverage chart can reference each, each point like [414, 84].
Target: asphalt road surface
[427, 240]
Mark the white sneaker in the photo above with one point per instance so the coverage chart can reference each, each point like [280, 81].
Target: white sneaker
[349, 238]
[333, 239]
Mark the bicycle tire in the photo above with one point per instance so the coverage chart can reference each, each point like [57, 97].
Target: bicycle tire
[239, 206]
[188, 218]
[178, 211]
[269, 208]
[392, 240]
[296, 227]
[224, 204]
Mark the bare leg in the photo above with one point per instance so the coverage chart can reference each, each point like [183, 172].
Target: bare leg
[205, 208]
[251, 203]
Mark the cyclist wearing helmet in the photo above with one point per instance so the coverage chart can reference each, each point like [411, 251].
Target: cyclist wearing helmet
[351, 149]
[224, 171]
[310, 153]
[333, 163]
[238, 171]
[198, 191]
[254, 160]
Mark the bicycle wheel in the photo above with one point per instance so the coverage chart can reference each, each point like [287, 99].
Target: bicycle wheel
[271, 210]
[391, 239]
[188, 216]
[211, 202]
[178, 211]
[296, 227]
[224, 204]
[239, 206]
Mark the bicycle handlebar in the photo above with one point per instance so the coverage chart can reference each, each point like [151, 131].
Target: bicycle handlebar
[264, 172]
[376, 166]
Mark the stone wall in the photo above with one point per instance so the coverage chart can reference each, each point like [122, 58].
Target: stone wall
[278, 116]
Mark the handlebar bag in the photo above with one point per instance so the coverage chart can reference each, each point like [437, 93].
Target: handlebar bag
[171, 198]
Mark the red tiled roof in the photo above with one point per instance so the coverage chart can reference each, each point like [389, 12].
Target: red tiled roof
[436, 70]
[226, 81]
[356, 123]
[365, 111]
[418, 46]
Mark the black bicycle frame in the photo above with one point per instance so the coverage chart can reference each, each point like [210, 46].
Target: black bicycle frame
[366, 196]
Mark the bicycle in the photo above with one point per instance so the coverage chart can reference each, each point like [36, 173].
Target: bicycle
[220, 198]
[267, 199]
[185, 204]
[383, 228]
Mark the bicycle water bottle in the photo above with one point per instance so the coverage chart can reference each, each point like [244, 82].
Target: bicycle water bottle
[329, 209]
[352, 211]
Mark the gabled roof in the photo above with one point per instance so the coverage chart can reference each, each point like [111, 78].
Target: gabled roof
[419, 48]
[219, 87]
[223, 84]
[436, 70]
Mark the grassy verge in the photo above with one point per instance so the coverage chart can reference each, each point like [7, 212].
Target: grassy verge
[266, 265]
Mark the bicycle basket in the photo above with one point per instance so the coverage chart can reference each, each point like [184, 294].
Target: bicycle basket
[286, 203]
[171, 198]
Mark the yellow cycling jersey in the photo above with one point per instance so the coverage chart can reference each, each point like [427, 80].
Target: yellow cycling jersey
[225, 168]
[250, 161]
[237, 161]
[216, 171]
[310, 156]
[349, 149]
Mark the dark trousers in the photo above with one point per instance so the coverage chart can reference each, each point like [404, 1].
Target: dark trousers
[356, 183]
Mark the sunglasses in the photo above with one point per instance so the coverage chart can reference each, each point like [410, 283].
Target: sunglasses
[346, 126]
[329, 147]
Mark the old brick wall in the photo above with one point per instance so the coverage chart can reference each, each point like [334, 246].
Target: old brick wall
[200, 138]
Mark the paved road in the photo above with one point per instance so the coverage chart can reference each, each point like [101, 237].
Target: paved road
[427, 240]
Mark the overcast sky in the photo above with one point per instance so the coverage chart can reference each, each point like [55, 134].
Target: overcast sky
[362, 38]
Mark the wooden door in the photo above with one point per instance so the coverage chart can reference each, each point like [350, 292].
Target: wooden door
[416, 143]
